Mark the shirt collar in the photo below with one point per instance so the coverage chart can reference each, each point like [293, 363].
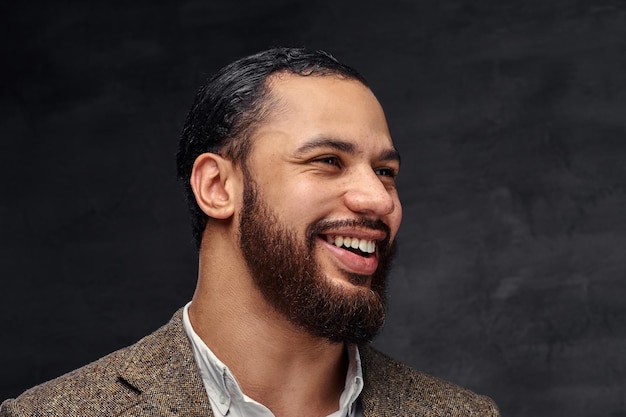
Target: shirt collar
[213, 371]
[222, 388]
[354, 383]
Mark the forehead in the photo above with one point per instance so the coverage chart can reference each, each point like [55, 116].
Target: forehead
[304, 107]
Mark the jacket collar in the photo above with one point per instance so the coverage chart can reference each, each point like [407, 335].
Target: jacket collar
[161, 368]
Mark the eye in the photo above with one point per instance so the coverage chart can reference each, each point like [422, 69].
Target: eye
[386, 172]
[329, 160]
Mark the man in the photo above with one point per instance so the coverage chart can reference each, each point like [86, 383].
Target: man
[290, 174]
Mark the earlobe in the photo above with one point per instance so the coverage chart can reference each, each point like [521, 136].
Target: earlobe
[211, 179]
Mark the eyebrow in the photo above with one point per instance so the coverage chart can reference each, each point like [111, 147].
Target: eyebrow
[343, 146]
[390, 155]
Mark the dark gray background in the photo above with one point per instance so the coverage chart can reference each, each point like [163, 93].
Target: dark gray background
[511, 120]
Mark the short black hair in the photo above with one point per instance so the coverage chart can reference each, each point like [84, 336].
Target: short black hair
[232, 103]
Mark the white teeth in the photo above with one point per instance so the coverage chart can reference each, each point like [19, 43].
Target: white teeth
[367, 246]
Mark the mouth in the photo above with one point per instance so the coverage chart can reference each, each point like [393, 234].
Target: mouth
[362, 247]
[352, 254]
[351, 246]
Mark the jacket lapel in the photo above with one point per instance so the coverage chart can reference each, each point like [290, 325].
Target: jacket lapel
[161, 368]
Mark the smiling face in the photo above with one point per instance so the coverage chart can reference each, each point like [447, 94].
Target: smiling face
[320, 206]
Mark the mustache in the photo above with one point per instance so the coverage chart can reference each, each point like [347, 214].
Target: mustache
[363, 223]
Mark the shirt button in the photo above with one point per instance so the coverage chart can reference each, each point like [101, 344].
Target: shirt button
[222, 399]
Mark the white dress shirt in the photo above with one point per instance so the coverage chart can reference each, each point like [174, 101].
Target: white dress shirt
[226, 396]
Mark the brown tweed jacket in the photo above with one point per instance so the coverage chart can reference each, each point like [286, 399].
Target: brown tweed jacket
[157, 376]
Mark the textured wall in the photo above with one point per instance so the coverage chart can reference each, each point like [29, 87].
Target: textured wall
[510, 117]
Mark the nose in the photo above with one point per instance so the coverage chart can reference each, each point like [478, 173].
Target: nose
[367, 194]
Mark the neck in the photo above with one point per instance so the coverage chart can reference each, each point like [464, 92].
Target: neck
[275, 363]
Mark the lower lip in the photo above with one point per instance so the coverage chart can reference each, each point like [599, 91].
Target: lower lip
[351, 261]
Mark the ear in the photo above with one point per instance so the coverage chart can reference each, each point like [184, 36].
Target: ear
[213, 182]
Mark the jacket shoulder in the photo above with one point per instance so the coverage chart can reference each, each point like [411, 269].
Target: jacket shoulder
[113, 384]
[392, 388]
[85, 391]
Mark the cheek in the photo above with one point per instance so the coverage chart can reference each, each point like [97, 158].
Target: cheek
[307, 196]
[301, 203]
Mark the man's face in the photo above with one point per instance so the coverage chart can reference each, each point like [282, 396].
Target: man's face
[320, 208]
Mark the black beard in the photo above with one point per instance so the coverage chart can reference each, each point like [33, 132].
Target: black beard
[285, 271]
